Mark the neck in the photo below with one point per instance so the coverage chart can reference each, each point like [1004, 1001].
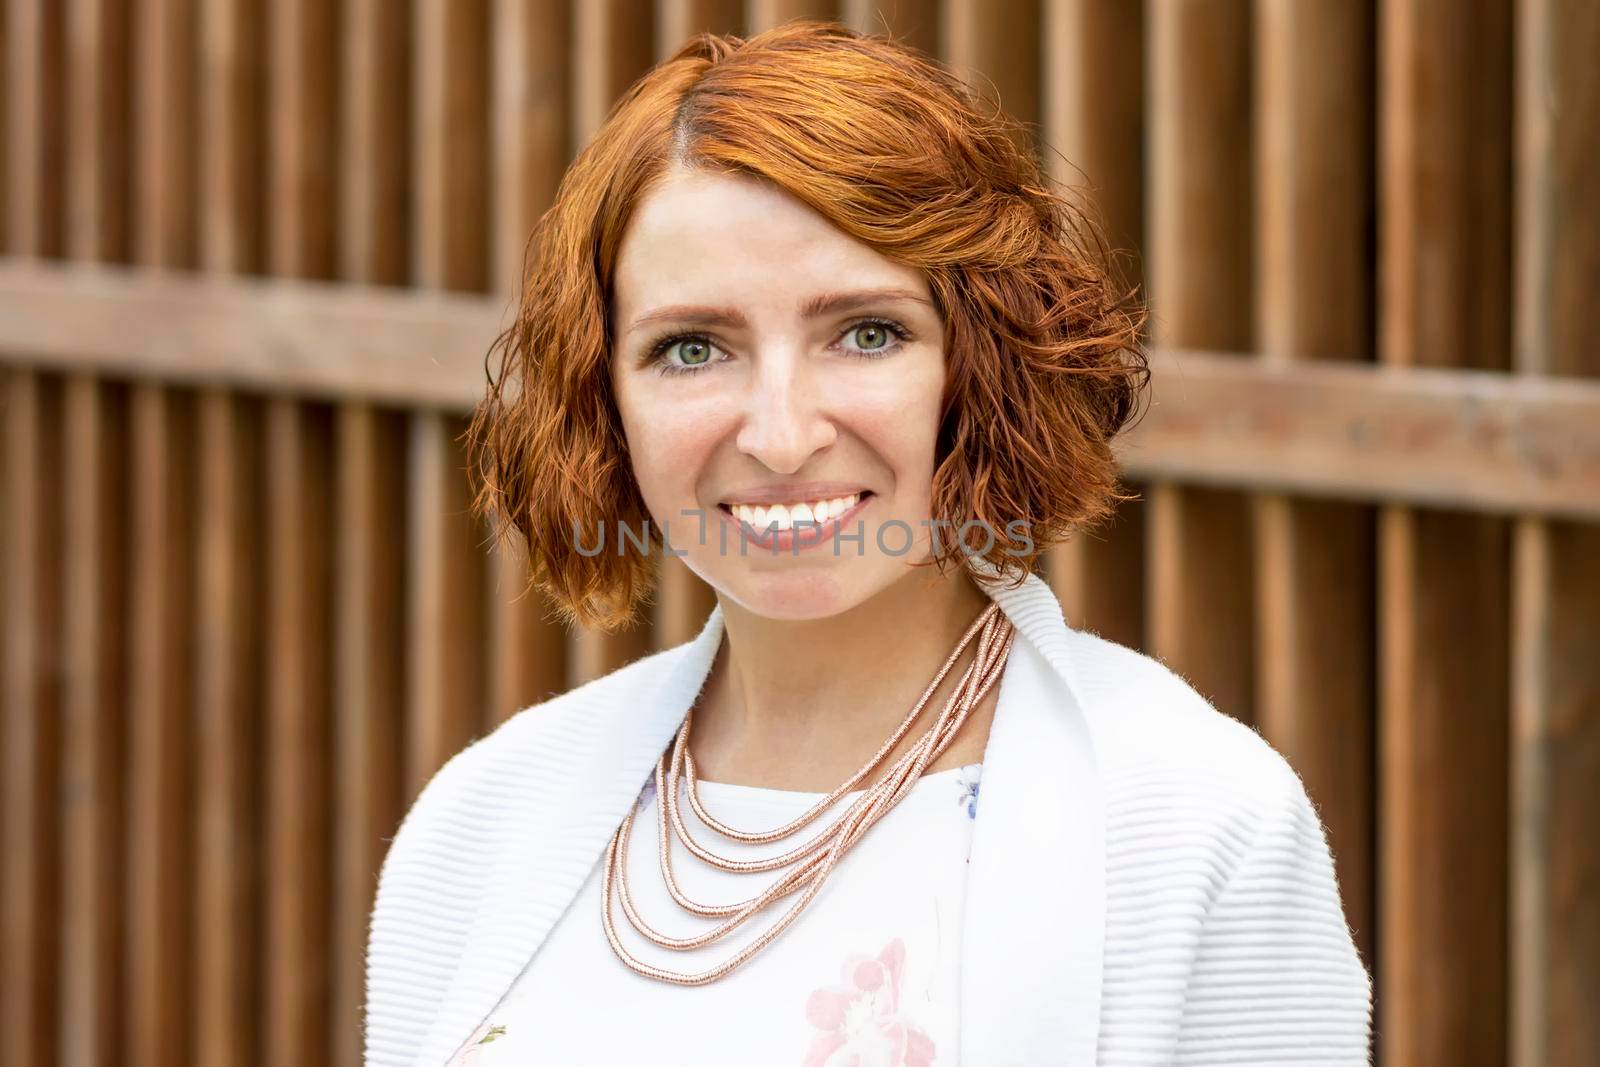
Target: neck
[802, 705]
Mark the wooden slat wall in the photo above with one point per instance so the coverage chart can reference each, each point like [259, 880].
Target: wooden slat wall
[1314, 563]
[1444, 267]
[231, 678]
[1199, 599]
[1555, 705]
[90, 1013]
[252, 623]
[1093, 116]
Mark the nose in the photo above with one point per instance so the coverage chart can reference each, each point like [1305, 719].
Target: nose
[785, 421]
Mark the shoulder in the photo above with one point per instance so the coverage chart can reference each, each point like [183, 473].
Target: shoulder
[1148, 719]
[1180, 776]
[493, 773]
[459, 833]
[1217, 864]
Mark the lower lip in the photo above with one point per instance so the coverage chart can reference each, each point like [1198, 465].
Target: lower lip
[796, 538]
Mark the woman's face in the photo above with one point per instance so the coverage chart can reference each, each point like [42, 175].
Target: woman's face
[764, 359]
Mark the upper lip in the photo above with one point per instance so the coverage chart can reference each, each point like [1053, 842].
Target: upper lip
[797, 492]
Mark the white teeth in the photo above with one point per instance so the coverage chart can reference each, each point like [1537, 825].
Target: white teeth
[784, 516]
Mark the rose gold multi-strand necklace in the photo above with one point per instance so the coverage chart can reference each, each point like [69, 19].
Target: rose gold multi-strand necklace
[810, 863]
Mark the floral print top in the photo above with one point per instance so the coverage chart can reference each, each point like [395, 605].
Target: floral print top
[866, 976]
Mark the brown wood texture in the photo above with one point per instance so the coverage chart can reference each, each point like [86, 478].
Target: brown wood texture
[1199, 587]
[94, 661]
[161, 745]
[233, 133]
[30, 689]
[230, 729]
[1555, 703]
[915, 22]
[617, 37]
[98, 130]
[369, 688]
[1316, 687]
[1444, 596]
[245, 609]
[446, 615]
[1093, 112]
[299, 735]
[530, 116]
[1472, 440]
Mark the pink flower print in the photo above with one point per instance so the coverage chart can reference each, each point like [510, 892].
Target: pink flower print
[482, 1036]
[859, 1020]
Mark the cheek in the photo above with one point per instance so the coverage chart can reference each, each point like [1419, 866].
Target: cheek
[669, 441]
[897, 414]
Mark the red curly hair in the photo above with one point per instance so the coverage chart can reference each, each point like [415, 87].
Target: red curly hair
[1042, 345]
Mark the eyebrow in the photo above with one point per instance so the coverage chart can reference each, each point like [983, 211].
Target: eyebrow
[815, 307]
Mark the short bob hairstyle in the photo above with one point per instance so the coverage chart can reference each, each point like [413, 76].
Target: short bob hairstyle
[1044, 363]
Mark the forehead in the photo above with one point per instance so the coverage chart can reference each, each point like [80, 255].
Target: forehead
[700, 236]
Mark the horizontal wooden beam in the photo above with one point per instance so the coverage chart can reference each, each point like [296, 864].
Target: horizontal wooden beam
[1475, 440]
[402, 347]
[1460, 439]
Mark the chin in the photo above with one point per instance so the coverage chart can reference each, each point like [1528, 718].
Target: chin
[798, 593]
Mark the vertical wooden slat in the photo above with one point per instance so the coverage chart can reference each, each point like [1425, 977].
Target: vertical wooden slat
[375, 167]
[765, 14]
[369, 676]
[1316, 572]
[678, 20]
[233, 136]
[299, 714]
[530, 121]
[230, 676]
[1445, 160]
[614, 39]
[531, 125]
[167, 175]
[980, 39]
[445, 690]
[375, 181]
[1199, 595]
[30, 696]
[447, 608]
[7, 107]
[1555, 756]
[161, 771]
[1093, 113]
[450, 224]
[97, 175]
[303, 138]
[161, 755]
[231, 672]
[914, 21]
[94, 547]
[35, 130]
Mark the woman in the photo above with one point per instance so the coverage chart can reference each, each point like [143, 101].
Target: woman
[807, 316]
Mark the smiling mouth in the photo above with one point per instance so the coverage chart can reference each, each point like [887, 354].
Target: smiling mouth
[778, 518]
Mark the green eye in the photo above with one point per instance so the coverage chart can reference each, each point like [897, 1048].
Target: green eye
[871, 336]
[693, 352]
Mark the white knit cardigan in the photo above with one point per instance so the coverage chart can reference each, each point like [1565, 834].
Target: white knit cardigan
[1149, 883]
